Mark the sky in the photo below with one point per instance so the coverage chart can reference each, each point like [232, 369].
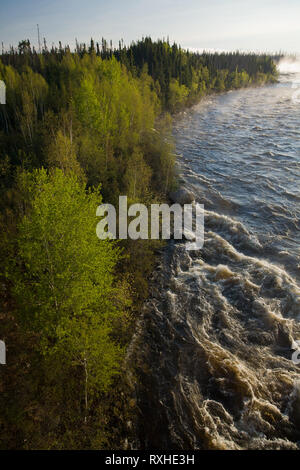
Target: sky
[258, 25]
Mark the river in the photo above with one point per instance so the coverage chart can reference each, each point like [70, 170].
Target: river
[213, 348]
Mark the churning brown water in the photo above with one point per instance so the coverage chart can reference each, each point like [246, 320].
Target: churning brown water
[214, 345]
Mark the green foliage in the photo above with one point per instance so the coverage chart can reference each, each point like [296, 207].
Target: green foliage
[63, 270]
[61, 153]
[64, 289]
[183, 77]
[177, 95]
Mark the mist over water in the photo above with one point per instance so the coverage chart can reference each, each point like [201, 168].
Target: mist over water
[214, 344]
[289, 65]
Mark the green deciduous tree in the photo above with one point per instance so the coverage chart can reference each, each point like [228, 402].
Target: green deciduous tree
[63, 278]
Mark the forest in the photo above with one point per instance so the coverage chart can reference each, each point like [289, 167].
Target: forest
[81, 127]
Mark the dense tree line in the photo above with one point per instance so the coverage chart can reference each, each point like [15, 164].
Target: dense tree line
[180, 76]
[183, 76]
[80, 128]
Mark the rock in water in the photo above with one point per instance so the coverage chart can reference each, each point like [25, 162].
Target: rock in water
[182, 196]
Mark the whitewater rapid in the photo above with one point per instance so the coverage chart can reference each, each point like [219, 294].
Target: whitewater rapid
[213, 348]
